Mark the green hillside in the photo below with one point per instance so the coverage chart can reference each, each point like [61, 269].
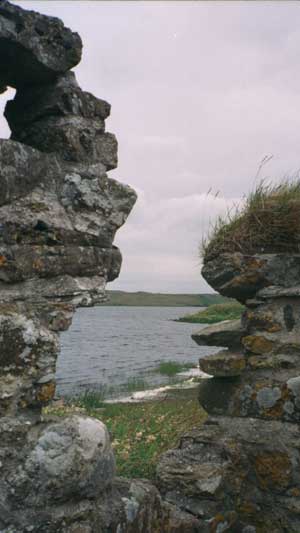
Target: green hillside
[162, 300]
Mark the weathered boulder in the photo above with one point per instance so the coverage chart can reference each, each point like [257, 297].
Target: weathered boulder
[71, 458]
[242, 276]
[59, 213]
[34, 48]
[223, 364]
[27, 361]
[62, 97]
[74, 138]
[226, 334]
[236, 475]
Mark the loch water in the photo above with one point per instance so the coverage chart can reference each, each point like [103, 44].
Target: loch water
[109, 346]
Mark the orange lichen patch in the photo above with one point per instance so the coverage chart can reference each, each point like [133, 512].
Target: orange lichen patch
[247, 508]
[261, 385]
[223, 364]
[3, 260]
[263, 321]
[245, 279]
[295, 492]
[46, 392]
[257, 344]
[37, 264]
[274, 412]
[277, 410]
[273, 328]
[273, 470]
[228, 520]
[286, 393]
[256, 361]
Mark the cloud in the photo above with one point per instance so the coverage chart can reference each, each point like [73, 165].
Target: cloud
[161, 240]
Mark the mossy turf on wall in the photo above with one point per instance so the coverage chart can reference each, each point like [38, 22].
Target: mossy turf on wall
[268, 222]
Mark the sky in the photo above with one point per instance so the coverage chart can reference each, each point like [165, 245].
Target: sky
[201, 92]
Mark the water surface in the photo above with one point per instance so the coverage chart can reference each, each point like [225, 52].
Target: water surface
[107, 346]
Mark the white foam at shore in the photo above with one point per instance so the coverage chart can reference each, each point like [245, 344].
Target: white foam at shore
[156, 394]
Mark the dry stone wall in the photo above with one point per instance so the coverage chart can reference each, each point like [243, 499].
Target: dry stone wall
[240, 471]
[59, 213]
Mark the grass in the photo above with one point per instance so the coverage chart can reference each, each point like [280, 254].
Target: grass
[162, 300]
[171, 368]
[93, 397]
[268, 222]
[142, 432]
[215, 313]
[134, 385]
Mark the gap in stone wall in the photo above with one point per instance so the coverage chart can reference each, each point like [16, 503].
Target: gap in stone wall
[4, 127]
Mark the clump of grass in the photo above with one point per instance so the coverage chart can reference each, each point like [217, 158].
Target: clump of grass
[141, 432]
[94, 399]
[171, 368]
[215, 313]
[90, 399]
[134, 385]
[268, 222]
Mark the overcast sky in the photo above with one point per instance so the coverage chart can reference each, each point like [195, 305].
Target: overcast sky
[200, 93]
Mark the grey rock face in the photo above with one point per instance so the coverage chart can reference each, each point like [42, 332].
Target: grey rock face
[61, 98]
[242, 276]
[236, 472]
[35, 48]
[239, 472]
[22, 169]
[59, 212]
[72, 458]
[226, 334]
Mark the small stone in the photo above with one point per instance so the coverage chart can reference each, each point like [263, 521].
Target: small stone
[223, 364]
[227, 333]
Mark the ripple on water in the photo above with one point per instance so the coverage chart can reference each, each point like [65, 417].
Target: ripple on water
[107, 346]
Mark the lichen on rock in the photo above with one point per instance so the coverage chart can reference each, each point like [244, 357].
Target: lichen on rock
[59, 213]
[244, 462]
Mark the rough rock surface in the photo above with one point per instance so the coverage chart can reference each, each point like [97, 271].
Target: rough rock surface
[240, 471]
[34, 48]
[59, 213]
[226, 334]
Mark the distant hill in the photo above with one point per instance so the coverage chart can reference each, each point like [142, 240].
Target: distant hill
[163, 300]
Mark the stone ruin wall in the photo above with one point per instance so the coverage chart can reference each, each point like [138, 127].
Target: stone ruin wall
[240, 471]
[59, 213]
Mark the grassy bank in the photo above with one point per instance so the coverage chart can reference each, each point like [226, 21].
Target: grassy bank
[267, 222]
[142, 432]
[162, 300]
[172, 368]
[215, 313]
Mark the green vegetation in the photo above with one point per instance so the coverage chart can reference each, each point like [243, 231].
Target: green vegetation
[268, 222]
[141, 432]
[135, 384]
[92, 398]
[162, 300]
[171, 368]
[215, 313]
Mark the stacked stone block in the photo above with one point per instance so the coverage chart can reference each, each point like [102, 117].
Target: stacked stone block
[240, 471]
[59, 213]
